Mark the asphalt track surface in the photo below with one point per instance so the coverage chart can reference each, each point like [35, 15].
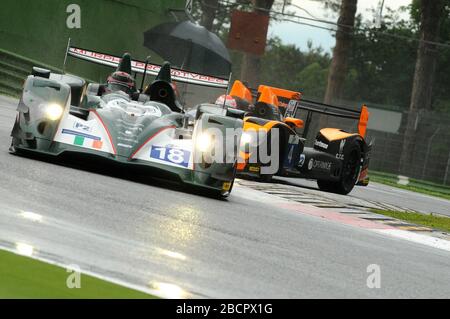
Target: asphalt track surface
[148, 233]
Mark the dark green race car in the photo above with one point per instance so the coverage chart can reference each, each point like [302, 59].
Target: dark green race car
[60, 114]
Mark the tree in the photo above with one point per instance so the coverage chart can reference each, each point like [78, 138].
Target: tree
[432, 14]
[251, 64]
[383, 59]
[339, 65]
[286, 66]
[215, 15]
[209, 11]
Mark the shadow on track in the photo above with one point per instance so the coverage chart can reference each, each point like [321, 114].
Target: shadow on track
[137, 174]
[287, 183]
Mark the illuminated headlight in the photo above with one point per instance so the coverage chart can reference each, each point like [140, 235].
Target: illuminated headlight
[204, 142]
[54, 112]
[246, 139]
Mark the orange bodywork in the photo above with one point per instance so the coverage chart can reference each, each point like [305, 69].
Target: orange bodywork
[363, 121]
[249, 126]
[291, 95]
[334, 134]
[252, 126]
[268, 96]
[295, 122]
[241, 91]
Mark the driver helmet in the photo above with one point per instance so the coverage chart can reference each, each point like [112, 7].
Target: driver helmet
[121, 81]
[227, 100]
[175, 90]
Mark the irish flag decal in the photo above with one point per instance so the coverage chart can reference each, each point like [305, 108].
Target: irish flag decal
[86, 140]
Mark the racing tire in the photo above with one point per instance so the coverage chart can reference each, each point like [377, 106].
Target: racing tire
[265, 178]
[349, 175]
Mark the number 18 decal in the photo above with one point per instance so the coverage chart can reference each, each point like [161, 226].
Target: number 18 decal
[172, 155]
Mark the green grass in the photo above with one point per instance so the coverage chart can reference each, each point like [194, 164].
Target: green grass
[26, 278]
[415, 185]
[432, 221]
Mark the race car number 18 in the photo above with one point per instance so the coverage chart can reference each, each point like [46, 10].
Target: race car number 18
[172, 155]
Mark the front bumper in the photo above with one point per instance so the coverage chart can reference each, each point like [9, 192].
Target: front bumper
[218, 180]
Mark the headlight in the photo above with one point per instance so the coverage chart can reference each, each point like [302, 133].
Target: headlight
[204, 142]
[246, 138]
[54, 112]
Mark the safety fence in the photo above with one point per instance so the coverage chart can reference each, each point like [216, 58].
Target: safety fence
[431, 147]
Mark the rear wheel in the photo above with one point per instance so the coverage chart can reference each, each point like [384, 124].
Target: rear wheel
[349, 176]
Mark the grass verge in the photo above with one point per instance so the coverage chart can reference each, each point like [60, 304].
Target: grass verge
[432, 221]
[26, 278]
[417, 186]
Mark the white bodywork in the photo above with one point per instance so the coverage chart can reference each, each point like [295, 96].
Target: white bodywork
[161, 148]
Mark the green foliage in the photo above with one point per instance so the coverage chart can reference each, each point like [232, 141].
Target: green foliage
[286, 66]
[382, 65]
[432, 221]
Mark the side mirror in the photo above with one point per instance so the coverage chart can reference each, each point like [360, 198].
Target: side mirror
[40, 72]
[294, 123]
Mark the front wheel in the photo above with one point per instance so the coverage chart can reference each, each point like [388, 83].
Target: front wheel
[265, 178]
[349, 176]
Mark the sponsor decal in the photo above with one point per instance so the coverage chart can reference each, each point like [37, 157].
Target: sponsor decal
[340, 155]
[320, 165]
[171, 155]
[341, 147]
[125, 145]
[291, 108]
[321, 144]
[311, 164]
[88, 136]
[152, 69]
[254, 169]
[226, 186]
[82, 127]
[302, 160]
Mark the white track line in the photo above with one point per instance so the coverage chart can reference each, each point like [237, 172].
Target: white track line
[417, 238]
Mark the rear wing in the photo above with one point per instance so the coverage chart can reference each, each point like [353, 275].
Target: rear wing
[362, 116]
[284, 96]
[152, 69]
